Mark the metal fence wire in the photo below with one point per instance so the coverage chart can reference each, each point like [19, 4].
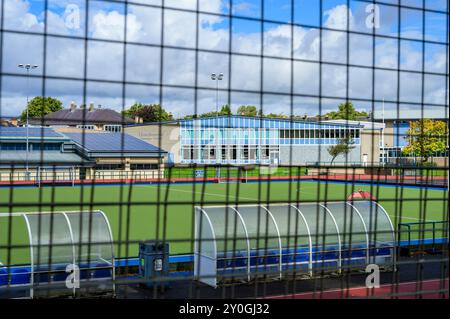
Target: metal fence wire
[184, 149]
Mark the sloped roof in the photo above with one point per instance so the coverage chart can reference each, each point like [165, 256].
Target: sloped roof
[33, 133]
[45, 158]
[82, 116]
[112, 142]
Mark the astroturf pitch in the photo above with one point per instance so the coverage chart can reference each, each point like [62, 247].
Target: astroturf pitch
[146, 212]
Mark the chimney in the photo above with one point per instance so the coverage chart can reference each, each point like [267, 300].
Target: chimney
[138, 120]
[73, 106]
[91, 107]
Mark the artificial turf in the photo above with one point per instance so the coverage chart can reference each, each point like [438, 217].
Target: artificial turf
[146, 212]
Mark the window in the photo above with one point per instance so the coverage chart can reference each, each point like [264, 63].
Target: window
[135, 167]
[245, 152]
[113, 128]
[87, 127]
[234, 153]
[212, 152]
[13, 146]
[46, 147]
[108, 167]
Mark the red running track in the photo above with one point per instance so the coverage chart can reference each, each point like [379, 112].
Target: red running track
[429, 289]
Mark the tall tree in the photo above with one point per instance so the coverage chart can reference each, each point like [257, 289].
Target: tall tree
[225, 110]
[247, 110]
[343, 147]
[346, 111]
[149, 113]
[426, 137]
[40, 106]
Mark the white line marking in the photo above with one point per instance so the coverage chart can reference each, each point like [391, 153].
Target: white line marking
[413, 218]
[211, 194]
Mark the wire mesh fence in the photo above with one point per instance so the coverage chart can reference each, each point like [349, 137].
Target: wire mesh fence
[224, 149]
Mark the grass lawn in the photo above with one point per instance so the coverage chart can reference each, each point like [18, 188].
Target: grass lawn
[134, 212]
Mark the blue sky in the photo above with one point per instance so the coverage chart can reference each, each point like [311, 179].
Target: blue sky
[105, 60]
[306, 12]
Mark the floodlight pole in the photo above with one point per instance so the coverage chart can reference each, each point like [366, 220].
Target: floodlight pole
[217, 78]
[382, 138]
[27, 67]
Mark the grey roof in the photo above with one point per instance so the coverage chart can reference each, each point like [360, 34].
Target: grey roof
[33, 132]
[45, 158]
[112, 142]
[82, 116]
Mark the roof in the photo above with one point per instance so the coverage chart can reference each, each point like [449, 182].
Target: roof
[33, 133]
[235, 121]
[112, 142]
[83, 116]
[46, 158]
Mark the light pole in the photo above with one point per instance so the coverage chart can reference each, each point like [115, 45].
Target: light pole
[217, 78]
[27, 67]
[382, 138]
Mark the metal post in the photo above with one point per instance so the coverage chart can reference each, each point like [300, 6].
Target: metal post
[27, 125]
[217, 78]
[27, 67]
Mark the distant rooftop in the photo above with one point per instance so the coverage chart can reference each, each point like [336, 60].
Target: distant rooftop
[83, 116]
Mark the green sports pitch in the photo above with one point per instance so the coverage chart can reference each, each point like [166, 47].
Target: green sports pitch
[146, 212]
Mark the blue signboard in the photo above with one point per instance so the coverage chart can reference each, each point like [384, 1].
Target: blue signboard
[199, 173]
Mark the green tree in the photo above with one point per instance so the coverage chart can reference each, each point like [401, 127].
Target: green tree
[247, 110]
[343, 147]
[40, 106]
[225, 110]
[149, 113]
[276, 116]
[208, 114]
[346, 111]
[132, 110]
[426, 137]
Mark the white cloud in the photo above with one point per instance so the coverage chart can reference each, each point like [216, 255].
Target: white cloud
[105, 60]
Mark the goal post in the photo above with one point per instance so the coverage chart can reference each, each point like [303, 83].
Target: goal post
[233, 174]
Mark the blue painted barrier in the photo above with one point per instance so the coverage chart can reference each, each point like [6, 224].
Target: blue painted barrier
[20, 275]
